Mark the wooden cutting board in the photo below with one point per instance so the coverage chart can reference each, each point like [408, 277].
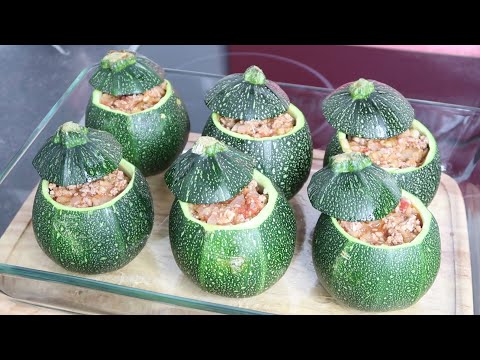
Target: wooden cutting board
[298, 292]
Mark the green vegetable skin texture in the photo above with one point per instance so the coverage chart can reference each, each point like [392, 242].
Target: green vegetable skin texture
[382, 114]
[285, 160]
[422, 182]
[151, 139]
[131, 79]
[91, 155]
[238, 98]
[363, 195]
[374, 278]
[200, 179]
[95, 240]
[234, 263]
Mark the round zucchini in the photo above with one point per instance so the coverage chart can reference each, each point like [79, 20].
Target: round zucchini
[151, 138]
[247, 96]
[95, 239]
[239, 260]
[209, 172]
[76, 155]
[368, 109]
[124, 73]
[351, 188]
[376, 278]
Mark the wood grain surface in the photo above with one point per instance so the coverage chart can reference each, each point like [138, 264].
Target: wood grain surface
[298, 292]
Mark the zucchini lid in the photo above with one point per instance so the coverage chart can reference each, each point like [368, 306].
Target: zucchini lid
[352, 188]
[76, 155]
[247, 96]
[125, 73]
[368, 109]
[210, 172]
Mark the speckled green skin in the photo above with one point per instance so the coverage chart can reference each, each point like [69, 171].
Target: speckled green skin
[372, 278]
[422, 182]
[333, 148]
[363, 195]
[203, 179]
[151, 139]
[383, 114]
[127, 79]
[234, 263]
[286, 160]
[66, 160]
[237, 98]
[99, 240]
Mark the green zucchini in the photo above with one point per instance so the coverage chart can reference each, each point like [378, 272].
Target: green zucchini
[368, 109]
[210, 172]
[238, 260]
[76, 155]
[247, 96]
[351, 188]
[376, 278]
[125, 73]
[95, 239]
[152, 138]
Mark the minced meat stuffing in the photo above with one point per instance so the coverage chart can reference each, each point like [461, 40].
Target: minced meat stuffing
[90, 194]
[280, 125]
[399, 227]
[243, 207]
[137, 102]
[409, 149]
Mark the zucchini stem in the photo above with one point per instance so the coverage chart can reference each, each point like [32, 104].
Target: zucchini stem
[71, 134]
[118, 60]
[209, 146]
[254, 75]
[361, 89]
[349, 162]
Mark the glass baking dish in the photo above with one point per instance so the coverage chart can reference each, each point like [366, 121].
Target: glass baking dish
[153, 284]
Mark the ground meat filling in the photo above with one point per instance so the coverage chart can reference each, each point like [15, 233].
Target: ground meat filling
[90, 194]
[399, 227]
[243, 207]
[280, 125]
[408, 149]
[137, 102]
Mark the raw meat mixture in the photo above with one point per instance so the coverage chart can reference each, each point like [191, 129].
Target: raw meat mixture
[408, 149]
[399, 227]
[137, 102]
[243, 207]
[94, 193]
[279, 125]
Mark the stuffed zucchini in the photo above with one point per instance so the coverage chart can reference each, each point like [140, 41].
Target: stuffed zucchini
[231, 231]
[93, 211]
[371, 251]
[133, 101]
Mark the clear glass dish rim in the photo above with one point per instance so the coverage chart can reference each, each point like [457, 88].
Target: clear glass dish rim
[74, 280]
